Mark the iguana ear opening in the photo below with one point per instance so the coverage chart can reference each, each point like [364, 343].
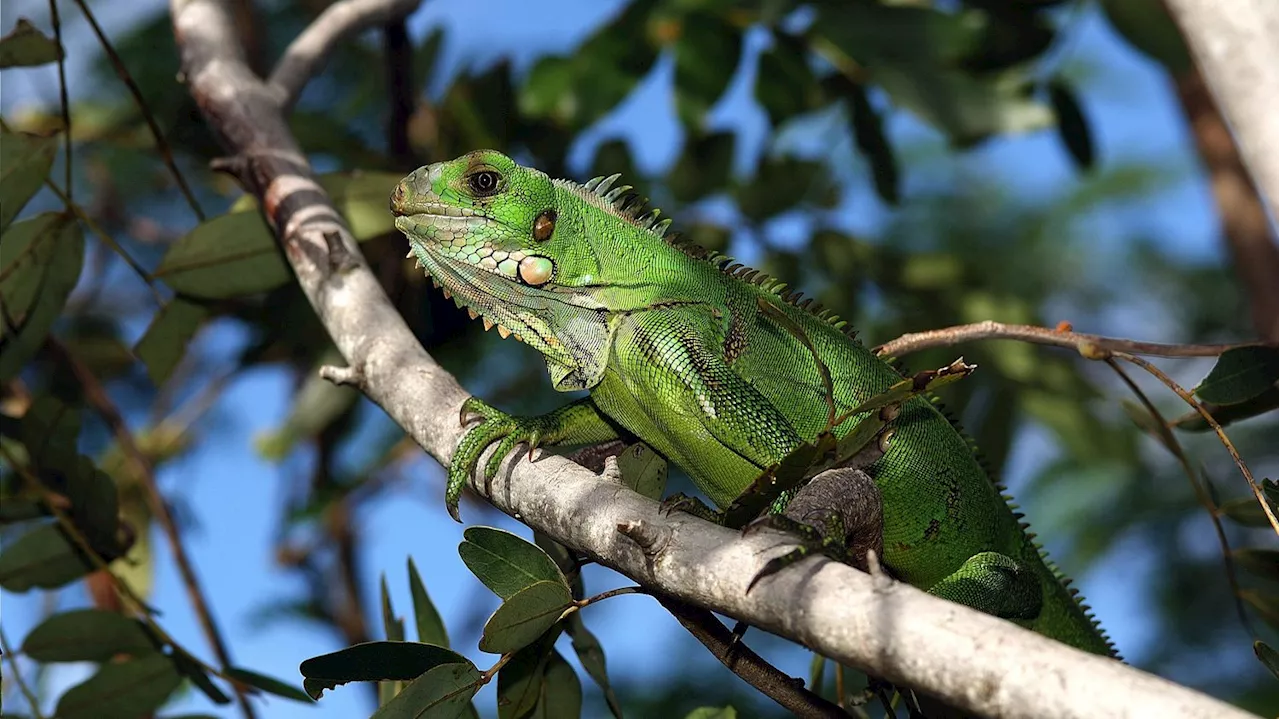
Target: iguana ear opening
[544, 225]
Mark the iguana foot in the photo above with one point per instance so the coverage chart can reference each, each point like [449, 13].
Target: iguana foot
[837, 514]
[690, 505]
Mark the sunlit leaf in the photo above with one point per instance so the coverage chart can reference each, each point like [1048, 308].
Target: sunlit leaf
[373, 661]
[443, 692]
[506, 563]
[124, 690]
[713, 713]
[524, 616]
[26, 46]
[165, 341]
[90, 635]
[24, 164]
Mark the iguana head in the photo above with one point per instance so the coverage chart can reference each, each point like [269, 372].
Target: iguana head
[509, 244]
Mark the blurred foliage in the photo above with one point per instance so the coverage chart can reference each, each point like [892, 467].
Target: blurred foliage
[105, 296]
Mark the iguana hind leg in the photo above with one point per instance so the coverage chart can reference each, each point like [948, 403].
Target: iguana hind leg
[837, 513]
[993, 583]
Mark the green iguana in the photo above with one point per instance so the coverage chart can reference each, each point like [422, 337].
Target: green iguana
[723, 372]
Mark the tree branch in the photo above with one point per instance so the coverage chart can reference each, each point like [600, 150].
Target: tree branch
[1086, 344]
[1238, 52]
[966, 658]
[307, 53]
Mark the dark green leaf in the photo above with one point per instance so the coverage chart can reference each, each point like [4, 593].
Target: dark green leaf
[235, 254]
[561, 694]
[1073, 127]
[391, 624]
[868, 133]
[706, 56]
[703, 167]
[1262, 562]
[506, 563]
[42, 558]
[780, 184]
[521, 680]
[317, 405]
[430, 627]
[591, 655]
[373, 661]
[643, 470]
[1264, 603]
[50, 429]
[62, 272]
[1224, 415]
[24, 164]
[13, 509]
[89, 635]
[191, 668]
[443, 692]
[1267, 655]
[817, 670]
[785, 84]
[29, 247]
[524, 616]
[1240, 375]
[125, 690]
[27, 47]
[1147, 26]
[165, 341]
[271, 685]
[1245, 511]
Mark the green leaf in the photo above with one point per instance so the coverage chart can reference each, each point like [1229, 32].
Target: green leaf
[88, 635]
[713, 713]
[505, 562]
[868, 133]
[1262, 562]
[13, 510]
[391, 624]
[706, 56]
[1264, 603]
[191, 668]
[703, 167]
[785, 83]
[817, 672]
[235, 254]
[1240, 375]
[1267, 655]
[443, 692]
[317, 405]
[643, 470]
[29, 247]
[430, 626]
[50, 429]
[591, 654]
[42, 558]
[165, 341]
[25, 161]
[521, 680]
[561, 694]
[1226, 414]
[271, 685]
[19, 344]
[26, 46]
[124, 690]
[372, 662]
[524, 616]
[1147, 26]
[1073, 127]
[1245, 511]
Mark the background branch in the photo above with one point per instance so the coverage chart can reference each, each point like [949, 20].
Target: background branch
[1238, 51]
[966, 658]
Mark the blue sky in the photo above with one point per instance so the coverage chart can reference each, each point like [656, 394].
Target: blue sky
[232, 495]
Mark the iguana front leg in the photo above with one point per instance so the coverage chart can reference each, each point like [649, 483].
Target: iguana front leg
[578, 422]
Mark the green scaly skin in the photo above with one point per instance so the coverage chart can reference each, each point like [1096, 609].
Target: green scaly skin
[675, 349]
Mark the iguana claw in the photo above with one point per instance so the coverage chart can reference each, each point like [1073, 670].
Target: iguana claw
[494, 426]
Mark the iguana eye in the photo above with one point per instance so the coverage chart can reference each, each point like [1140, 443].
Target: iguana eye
[484, 182]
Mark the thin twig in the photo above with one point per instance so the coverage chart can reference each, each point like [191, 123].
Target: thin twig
[1217, 428]
[97, 396]
[62, 90]
[609, 595]
[751, 667]
[1086, 344]
[1171, 441]
[161, 144]
[307, 53]
[33, 703]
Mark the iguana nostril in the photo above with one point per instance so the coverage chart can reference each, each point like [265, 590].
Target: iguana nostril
[397, 196]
